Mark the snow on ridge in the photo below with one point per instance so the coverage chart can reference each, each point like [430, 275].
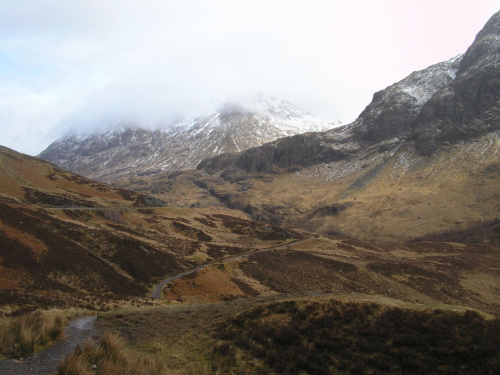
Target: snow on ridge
[127, 150]
[280, 115]
[423, 84]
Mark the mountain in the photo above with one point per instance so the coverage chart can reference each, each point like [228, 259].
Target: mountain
[66, 240]
[389, 119]
[225, 127]
[403, 205]
[423, 157]
[445, 103]
[469, 106]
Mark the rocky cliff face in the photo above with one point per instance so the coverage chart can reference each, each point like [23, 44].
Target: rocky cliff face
[388, 120]
[393, 111]
[451, 101]
[301, 150]
[421, 158]
[224, 128]
[470, 105]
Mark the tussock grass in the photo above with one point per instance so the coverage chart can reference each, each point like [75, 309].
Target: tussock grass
[25, 334]
[110, 357]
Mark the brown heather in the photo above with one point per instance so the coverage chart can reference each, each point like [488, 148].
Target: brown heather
[357, 338]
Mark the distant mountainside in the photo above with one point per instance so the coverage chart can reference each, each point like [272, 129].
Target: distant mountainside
[391, 118]
[130, 150]
[66, 241]
[422, 157]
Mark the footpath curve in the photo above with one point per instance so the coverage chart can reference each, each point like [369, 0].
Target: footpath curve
[157, 289]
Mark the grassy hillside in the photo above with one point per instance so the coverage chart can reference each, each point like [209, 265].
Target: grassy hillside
[421, 272]
[357, 338]
[66, 240]
[29, 180]
[378, 195]
[304, 333]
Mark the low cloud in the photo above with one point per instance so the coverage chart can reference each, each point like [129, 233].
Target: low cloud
[83, 65]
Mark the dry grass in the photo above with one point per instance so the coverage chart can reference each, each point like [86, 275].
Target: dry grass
[426, 273]
[411, 196]
[183, 336]
[26, 334]
[116, 253]
[212, 284]
[110, 357]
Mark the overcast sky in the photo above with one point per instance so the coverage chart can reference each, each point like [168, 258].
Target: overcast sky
[88, 63]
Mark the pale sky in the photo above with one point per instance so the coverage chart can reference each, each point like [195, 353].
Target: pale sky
[88, 63]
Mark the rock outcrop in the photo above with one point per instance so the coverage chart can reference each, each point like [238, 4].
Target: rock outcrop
[470, 105]
[447, 102]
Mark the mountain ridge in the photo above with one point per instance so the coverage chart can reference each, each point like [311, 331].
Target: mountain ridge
[225, 127]
[447, 102]
[409, 166]
[399, 208]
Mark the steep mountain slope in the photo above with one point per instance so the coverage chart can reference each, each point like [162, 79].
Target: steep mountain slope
[131, 151]
[470, 105]
[102, 244]
[447, 102]
[31, 181]
[66, 239]
[394, 109]
[422, 157]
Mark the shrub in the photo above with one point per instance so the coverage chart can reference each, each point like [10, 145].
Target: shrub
[362, 338]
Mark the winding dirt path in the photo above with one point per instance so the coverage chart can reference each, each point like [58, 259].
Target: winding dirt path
[47, 360]
[156, 293]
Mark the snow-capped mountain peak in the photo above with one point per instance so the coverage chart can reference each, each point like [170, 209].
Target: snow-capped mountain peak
[222, 127]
